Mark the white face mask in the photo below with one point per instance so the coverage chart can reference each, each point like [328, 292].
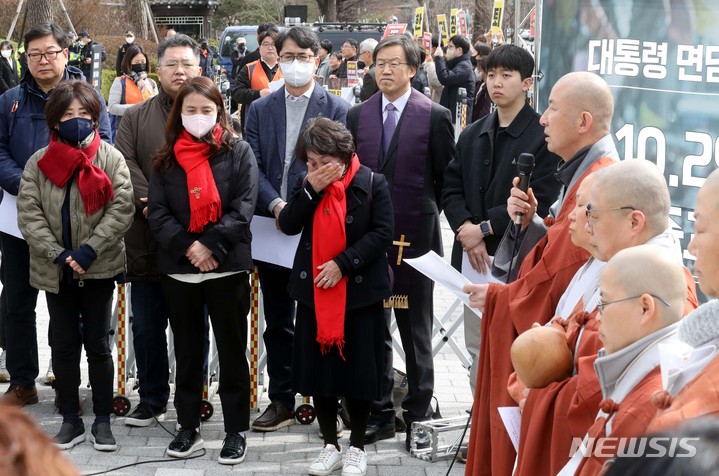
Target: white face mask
[6, 53]
[129, 39]
[198, 124]
[297, 73]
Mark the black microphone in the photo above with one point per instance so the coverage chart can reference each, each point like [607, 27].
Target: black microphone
[525, 165]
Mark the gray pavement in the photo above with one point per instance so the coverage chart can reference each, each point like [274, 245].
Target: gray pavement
[286, 451]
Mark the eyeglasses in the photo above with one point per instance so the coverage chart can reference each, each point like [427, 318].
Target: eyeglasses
[302, 57]
[176, 64]
[391, 64]
[601, 304]
[268, 45]
[589, 210]
[48, 55]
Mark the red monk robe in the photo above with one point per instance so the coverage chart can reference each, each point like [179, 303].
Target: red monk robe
[509, 311]
[631, 418]
[698, 398]
[555, 414]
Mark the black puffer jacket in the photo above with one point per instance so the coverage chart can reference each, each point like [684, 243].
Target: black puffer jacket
[229, 239]
[454, 74]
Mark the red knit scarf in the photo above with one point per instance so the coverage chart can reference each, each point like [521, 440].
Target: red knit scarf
[60, 162]
[193, 157]
[328, 240]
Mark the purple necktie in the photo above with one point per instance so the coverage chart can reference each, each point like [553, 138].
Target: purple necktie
[390, 124]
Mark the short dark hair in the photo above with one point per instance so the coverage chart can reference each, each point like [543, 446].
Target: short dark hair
[337, 55]
[46, 29]
[266, 34]
[303, 36]
[460, 41]
[324, 136]
[326, 45]
[435, 40]
[62, 96]
[177, 41]
[130, 54]
[263, 27]
[482, 49]
[7, 43]
[352, 42]
[512, 58]
[411, 49]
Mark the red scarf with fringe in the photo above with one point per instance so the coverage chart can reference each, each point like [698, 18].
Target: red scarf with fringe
[193, 157]
[328, 240]
[60, 162]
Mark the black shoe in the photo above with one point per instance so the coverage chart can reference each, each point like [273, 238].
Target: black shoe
[70, 435]
[233, 449]
[423, 439]
[101, 437]
[378, 431]
[143, 415]
[185, 443]
[275, 417]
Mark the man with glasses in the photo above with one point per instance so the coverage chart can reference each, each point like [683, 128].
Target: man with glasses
[576, 124]
[253, 80]
[409, 139]
[23, 131]
[455, 72]
[273, 124]
[643, 293]
[141, 134]
[633, 210]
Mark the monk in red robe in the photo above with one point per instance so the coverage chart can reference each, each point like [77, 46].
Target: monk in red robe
[693, 375]
[642, 298]
[577, 125]
[554, 415]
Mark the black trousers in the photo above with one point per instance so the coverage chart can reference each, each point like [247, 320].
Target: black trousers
[228, 301]
[415, 330]
[279, 332]
[91, 301]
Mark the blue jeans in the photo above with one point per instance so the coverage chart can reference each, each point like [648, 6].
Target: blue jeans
[20, 318]
[149, 326]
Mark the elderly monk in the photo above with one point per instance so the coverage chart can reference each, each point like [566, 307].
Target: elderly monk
[643, 294]
[577, 127]
[627, 205]
[693, 373]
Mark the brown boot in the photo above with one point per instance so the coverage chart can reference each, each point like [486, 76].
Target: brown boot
[19, 396]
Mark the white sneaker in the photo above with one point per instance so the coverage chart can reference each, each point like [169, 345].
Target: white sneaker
[355, 462]
[49, 375]
[4, 374]
[340, 428]
[328, 461]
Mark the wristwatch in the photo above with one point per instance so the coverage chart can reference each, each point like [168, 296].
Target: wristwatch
[486, 228]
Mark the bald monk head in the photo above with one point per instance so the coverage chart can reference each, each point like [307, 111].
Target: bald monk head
[706, 236]
[541, 355]
[579, 113]
[578, 231]
[628, 205]
[642, 290]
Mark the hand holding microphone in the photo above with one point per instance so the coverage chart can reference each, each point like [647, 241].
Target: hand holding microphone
[521, 204]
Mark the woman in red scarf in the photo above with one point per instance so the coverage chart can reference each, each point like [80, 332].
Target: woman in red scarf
[202, 197]
[74, 206]
[340, 278]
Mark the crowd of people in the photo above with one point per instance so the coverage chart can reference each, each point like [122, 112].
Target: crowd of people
[588, 315]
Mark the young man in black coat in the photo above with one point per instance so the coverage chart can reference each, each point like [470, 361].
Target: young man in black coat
[455, 72]
[478, 181]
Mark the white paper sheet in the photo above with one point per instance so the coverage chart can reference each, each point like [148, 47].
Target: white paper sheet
[8, 215]
[475, 276]
[275, 85]
[271, 245]
[512, 419]
[438, 270]
[348, 94]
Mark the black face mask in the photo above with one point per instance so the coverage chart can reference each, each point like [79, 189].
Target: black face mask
[139, 67]
[241, 48]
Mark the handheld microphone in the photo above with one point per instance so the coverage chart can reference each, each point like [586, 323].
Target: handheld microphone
[525, 166]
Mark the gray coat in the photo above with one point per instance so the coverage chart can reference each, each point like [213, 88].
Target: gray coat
[40, 220]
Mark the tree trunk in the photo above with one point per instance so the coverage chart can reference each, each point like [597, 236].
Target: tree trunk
[137, 18]
[38, 11]
[328, 9]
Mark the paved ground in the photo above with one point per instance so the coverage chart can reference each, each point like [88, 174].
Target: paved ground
[287, 451]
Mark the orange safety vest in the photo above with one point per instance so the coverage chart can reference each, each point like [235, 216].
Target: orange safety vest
[132, 93]
[259, 80]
